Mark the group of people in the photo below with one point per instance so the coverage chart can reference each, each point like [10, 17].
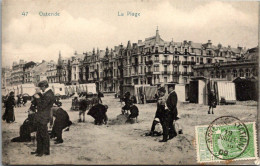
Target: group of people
[166, 114]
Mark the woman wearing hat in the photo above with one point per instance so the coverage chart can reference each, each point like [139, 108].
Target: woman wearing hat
[160, 112]
[9, 108]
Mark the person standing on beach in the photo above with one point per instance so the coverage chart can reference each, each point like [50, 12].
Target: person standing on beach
[9, 108]
[42, 118]
[171, 103]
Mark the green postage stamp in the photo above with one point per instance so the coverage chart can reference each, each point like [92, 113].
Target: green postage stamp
[226, 138]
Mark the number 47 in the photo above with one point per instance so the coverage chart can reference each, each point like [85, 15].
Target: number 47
[24, 13]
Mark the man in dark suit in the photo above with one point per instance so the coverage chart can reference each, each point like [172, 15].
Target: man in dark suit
[171, 103]
[42, 118]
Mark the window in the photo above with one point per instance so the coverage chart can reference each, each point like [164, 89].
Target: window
[186, 51]
[212, 74]
[192, 59]
[165, 79]
[175, 49]
[156, 49]
[156, 57]
[217, 74]
[201, 60]
[165, 49]
[247, 73]
[165, 57]
[165, 67]
[185, 69]
[175, 69]
[156, 68]
[176, 58]
[234, 73]
[185, 80]
[241, 73]
[223, 74]
[198, 60]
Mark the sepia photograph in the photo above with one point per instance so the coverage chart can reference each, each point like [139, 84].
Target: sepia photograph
[136, 82]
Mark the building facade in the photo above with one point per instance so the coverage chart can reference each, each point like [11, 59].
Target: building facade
[247, 67]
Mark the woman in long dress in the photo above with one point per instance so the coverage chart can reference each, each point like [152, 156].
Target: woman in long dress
[9, 109]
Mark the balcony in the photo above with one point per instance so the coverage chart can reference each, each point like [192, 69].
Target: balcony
[176, 73]
[192, 62]
[149, 73]
[166, 72]
[149, 62]
[186, 62]
[176, 62]
[135, 64]
[157, 61]
[187, 73]
[166, 62]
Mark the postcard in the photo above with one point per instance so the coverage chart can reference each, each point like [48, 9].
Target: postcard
[138, 82]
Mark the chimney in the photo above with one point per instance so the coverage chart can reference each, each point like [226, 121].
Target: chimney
[43, 61]
[190, 42]
[209, 41]
[139, 41]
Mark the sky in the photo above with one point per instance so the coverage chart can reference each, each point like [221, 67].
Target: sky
[87, 24]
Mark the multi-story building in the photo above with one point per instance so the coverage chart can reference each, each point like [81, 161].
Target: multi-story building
[51, 72]
[245, 67]
[27, 69]
[39, 72]
[155, 61]
[6, 77]
[152, 61]
[17, 73]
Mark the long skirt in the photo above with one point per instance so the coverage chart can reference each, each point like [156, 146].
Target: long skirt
[9, 115]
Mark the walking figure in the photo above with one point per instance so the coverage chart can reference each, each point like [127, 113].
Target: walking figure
[212, 101]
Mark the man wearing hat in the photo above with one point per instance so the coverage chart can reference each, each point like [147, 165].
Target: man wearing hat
[171, 103]
[42, 118]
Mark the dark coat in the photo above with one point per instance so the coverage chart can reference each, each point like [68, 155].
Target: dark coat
[212, 100]
[26, 129]
[171, 103]
[44, 107]
[9, 109]
[98, 112]
[62, 120]
[134, 112]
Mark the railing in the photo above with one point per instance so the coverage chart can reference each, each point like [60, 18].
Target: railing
[176, 62]
[149, 73]
[192, 62]
[149, 62]
[186, 62]
[187, 73]
[156, 61]
[166, 62]
[176, 73]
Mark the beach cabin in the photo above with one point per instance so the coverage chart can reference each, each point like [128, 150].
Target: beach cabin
[27, 89]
